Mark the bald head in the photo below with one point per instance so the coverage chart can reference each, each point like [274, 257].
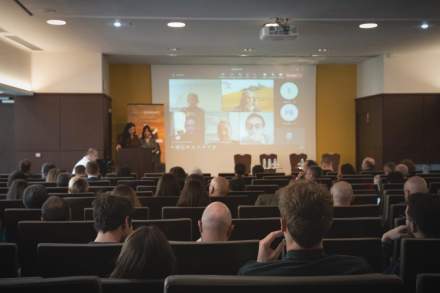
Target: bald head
[402, 169]
[415, 184]
[342, 194]
[219, 186]
[216, 223]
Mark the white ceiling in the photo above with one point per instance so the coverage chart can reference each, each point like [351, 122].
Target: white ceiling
[217, 30]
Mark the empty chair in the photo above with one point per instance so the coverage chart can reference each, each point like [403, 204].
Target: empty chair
[52, 285]
[418, 256]
[155, 204]
[377, 283]
[372, 210]
[131, 286]
[138, 214]
[258, 211]
[295, 159]
[97, 259]
[9, 260]
[215, 258]
[355, 227]
[13, 216]
[193, 213]
[427, 283]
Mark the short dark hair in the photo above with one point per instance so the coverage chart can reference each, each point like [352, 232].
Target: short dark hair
[16, 175]
[145, 254]
[307, 209]
[79, 186]
[310, 163]
[34, 196]
[110, 212]
[390, 165]
[15, 191]
[410, 164]
[424, 211]
[80, 170]
[92, 168]
[45, 169]
[347, 169]
[180, 175]
[167, 185]
[127, 192]
[63, 179]
[240, 169]
[395, 177]
[55, 208]
[25, 166]
[316, 171]
[257, 169]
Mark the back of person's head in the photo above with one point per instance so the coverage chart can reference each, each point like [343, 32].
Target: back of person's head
[34, 196]
[78, 185]
[342, 194]
[55, 208]
[15, 191]
[197, 171]
[423, 215]
[193, 194]
[25, 166]
[368, 164]
[180, 175]
[313, 173]
[16, 175]
[348, 169]
[395, 177]
[80, 170]
[45, 169]
[240, 169]
[306, 211]
[146, 254]
[128, 192]
[216, 223]
[403, 169]
[197, 177]
[257, 169]
[410, 164]
[415, 184]
[111, 212]
[92, 168]
[167, 185]
[63, 179]
[219, 186]
[52, 175]
[389, 167]
[92, 154]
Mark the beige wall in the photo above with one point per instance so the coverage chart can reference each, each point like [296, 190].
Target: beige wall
[15, 66]
[370, 77]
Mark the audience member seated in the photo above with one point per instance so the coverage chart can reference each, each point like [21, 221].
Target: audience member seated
[237, 183]
[25, 167]
[313, 173]
[80, 171]
[63, 179]
[388, 168]
[193, 193]
[342, 193]
[327, 165]
[197, 171]
[128, 192]
[306, 216]
[112, 218]
[52, 175]
[422, 221]
[411, 166]
[167, 185]
[92, 171]
[306, 166]
[91, 155]
[55, 208]
[414, 185]
[16, 175]
[368, 164]
[180, 175]
[257, 169]
[402, 169]
[347, 169]
[146, 254]
[219, 186]
[45, 168]
[16, 189]
[78, 185]
[34, 196]
[216, 223]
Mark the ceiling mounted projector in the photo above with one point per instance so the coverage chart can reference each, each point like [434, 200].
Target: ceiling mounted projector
[280, 29]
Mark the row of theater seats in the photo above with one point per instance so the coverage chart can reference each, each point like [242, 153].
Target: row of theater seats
[225, 258]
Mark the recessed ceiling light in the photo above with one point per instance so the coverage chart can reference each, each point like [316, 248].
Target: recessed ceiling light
[271, 24]
[322, 50]
[173, 49]
[368, 25]
[424, 26]
[315, 55]
[243, 55]
[172, 55]
[117, 23]
[176, 24]
[56, 22]
[248, 50]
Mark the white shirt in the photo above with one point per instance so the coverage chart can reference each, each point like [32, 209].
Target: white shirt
[83, 162]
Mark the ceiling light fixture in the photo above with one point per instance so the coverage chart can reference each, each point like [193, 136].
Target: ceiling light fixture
[243, 55]
[315, 55]
[248, 50]
[272, 24]
[56, 22]
[368, 25]
[176, 24]
[424, 26]
[117, 23]
[322, 50]
[172, 55]
[173, 49]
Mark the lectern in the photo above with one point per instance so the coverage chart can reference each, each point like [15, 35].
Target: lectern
[138, 160]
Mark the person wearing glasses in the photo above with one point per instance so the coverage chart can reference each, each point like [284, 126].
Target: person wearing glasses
[255, 130]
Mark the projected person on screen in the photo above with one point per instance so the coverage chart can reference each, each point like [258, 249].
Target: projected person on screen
[128, 137]
[224, 132]
[248, 102]
[193, 130]
[255, 130]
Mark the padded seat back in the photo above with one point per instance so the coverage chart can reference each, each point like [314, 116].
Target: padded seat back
[233, 201]
[257, 228]
[77, 206]
[141, 213]
[427, 283]
[268, 188]
[13, 216]
[372, 210]
[51, 285]
[156, 203]
[193, 213]
[258, 211]
[359, 199]
[131, 286]
[356, 228]
[9, 260]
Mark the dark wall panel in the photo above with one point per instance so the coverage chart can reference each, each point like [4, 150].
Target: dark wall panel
[431, 127]
[7, 147]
